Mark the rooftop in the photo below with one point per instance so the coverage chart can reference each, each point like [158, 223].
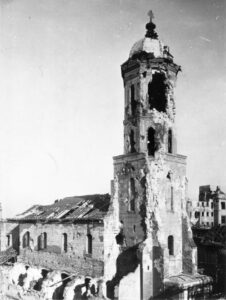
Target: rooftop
[88, 207]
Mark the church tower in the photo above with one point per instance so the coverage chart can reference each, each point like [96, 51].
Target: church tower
[150, 186]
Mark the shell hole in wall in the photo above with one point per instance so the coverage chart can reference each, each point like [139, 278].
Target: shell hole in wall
[157, 92]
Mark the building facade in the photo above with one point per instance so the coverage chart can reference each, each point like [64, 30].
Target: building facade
[211, 207]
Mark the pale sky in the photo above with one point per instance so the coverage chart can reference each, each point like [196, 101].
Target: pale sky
[61, 92]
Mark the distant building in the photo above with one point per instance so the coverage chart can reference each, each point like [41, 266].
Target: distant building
[211, 207]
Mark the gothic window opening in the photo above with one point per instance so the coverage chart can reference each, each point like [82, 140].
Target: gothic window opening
[26, 240]
[157, 92]
[89, 244]
[65, 242]
[171, 245]
[151, 141]
[132, 194]
[132, 142]
[170, 144]
[132, 100]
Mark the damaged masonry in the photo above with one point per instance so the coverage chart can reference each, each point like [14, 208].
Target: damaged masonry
[136, 244]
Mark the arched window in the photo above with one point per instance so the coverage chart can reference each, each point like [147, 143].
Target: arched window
[132, 142]
[151, 141]
[8, 240]
[132, 192]
[26, 239]
[171, 245]
[170, 142]
[42, 241]
[64, 242]
[132, 100]
[89, 243]
[157, 92]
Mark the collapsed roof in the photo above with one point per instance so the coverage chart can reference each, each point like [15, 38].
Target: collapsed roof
[77, 208]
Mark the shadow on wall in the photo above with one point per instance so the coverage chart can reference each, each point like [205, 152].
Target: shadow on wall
[126, 263]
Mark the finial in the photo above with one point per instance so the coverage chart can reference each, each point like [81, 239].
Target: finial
[151, 27]
[151, 15]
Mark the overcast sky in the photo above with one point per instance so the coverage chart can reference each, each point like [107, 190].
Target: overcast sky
[61, 92]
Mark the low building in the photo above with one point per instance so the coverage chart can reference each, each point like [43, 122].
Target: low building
[67, 235]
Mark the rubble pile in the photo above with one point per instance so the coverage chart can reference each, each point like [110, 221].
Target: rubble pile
[33, 283]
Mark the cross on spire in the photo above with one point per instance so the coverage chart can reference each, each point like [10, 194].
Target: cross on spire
[151, 27]
[151, 15]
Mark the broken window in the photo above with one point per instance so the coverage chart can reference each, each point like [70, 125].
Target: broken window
[132, 142]
[89, 244]
[157, 92]
[170, 144]
[197, 214]
[151, 141]
[132, 100]
[171, 245]
[26, 239]
[132, 195]
[64, 242]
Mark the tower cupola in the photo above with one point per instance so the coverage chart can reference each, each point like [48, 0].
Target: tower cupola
[149, 77]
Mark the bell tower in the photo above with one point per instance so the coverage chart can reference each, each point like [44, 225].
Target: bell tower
[149, 77]
[150, 186]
